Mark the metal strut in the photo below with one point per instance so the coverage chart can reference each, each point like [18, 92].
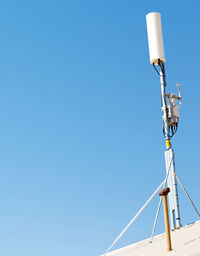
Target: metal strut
[134, 218]
[188, 196]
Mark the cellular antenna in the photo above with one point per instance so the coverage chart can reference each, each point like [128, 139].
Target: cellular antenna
[170, 108]
[170, 111]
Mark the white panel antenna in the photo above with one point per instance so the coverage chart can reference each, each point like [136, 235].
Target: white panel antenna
[155, 38]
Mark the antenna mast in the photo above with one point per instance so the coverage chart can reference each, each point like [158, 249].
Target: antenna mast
[170, 112]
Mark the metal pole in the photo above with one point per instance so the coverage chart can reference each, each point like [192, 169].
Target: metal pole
[164, 105]
[164, 192]
[173, 198]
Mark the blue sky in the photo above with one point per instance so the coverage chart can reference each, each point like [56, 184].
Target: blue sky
[81, 138]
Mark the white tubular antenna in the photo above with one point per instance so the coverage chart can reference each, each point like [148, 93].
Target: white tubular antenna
[155, 38]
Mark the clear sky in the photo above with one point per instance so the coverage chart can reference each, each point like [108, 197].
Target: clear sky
[80, 122]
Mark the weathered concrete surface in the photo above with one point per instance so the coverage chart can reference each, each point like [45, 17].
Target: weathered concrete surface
[185, 242]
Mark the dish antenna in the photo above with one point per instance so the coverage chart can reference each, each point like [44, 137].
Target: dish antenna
[170, 112]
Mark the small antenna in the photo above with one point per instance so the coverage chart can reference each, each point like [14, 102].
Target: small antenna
[179, 93]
